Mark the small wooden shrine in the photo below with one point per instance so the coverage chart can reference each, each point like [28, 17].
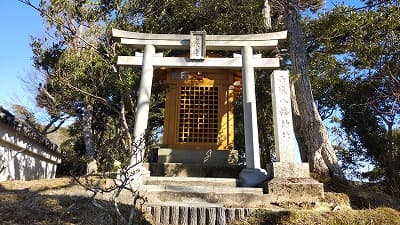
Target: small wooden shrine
[199, 107]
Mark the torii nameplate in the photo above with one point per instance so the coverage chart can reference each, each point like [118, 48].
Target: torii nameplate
[197, 45]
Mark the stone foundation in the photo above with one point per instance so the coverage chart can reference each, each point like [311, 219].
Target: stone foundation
[193, 170]
[196, 156]
[288, 170]
[292, 182]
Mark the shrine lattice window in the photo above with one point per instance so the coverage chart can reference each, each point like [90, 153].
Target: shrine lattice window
[198, 114]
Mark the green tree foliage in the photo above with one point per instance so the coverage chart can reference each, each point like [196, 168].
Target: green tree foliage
[77, 59]
[355, 57]
[216, 17]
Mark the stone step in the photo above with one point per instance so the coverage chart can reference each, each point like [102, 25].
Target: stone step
[191, 181]
[193, 170]
[177, 213]
[202, 189]
[226, 196]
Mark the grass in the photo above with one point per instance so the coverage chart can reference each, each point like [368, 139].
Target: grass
[61, 201]
[357, 204]
[48, 202]
[364, 195]
[377, 216]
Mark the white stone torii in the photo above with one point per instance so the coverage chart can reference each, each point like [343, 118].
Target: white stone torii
[283, 128]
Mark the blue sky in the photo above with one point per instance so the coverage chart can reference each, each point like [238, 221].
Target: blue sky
[17, 22]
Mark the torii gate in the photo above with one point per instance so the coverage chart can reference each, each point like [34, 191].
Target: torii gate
[198, 42]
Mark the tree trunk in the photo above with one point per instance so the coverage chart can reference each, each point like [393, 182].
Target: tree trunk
[313, 140]
[87, 117]
[87, 131]
[267, 15]
[391, 162]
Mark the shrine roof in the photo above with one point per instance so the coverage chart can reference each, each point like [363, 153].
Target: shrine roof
[20, 127]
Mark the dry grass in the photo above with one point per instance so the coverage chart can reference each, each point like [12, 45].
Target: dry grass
[40, 202]
[61, 201]
[373, 207]
[378, 216]
[36, 185]
[364, 196]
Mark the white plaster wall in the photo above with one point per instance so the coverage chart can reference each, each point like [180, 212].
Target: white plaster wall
[20, 159]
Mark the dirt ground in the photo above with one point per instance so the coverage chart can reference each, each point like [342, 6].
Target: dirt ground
[62, 201]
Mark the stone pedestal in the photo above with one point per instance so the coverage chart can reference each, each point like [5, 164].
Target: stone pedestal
[292, 182]
[288, 170]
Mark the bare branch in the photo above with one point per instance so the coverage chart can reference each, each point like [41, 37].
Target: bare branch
[72, 30]
[105, 101]
[43, 91]
[61, 121]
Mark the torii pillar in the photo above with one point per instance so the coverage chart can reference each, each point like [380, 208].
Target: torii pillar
[142, 112]
[253, 174]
